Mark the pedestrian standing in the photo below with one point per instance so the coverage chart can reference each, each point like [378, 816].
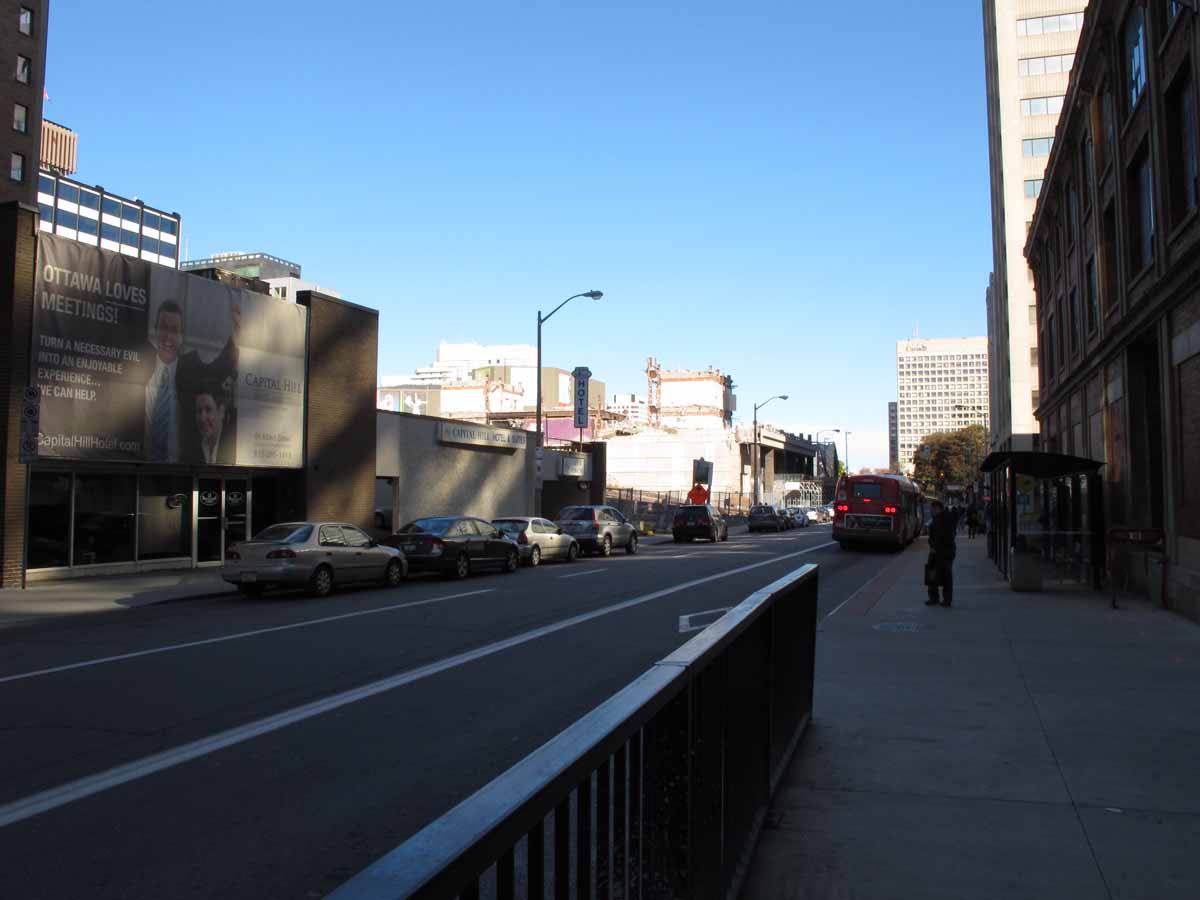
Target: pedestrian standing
[972, 520]
[939, 569]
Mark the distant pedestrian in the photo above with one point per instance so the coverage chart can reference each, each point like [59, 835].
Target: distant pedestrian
[939, 569]
[972, 520]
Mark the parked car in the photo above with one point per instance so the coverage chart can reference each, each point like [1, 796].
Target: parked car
[538, 539]
[699, 521]
[455, 546]
[321, 555]
[598, 529]
[814, 515]
[765, 517]
[798, 514]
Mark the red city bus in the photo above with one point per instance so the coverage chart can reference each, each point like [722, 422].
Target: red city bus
[878, 509]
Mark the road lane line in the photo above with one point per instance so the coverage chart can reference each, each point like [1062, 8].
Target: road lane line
[27, 807]
[578, 574]
[233, 637]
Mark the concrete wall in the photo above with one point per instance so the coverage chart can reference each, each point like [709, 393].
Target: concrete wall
[662, 461]
[433, 478]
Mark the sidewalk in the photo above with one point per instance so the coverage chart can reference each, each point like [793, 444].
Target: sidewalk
[1015, 745]
[74, 596]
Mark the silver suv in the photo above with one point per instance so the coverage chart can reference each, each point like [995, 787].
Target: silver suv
[598, 529]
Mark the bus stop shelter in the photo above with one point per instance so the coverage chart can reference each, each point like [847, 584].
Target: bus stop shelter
[1046, 518]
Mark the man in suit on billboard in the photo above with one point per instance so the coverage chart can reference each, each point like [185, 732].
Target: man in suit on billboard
[173, 379]
[216, 440]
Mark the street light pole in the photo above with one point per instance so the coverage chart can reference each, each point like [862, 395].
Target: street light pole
[846, 436]
[755, 467]
[539, 439]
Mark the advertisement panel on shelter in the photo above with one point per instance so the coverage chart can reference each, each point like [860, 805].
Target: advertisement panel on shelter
[137, 362]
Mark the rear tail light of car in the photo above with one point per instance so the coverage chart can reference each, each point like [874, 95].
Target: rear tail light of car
[436, 546]
[522, 538]
[890, 510]
[843, 507]
[282, 554]
[232, 554]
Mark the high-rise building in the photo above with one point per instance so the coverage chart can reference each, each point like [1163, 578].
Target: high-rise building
[941, 385]
[1029, 49]
[91, 215]
[893, 438]
[22, 89]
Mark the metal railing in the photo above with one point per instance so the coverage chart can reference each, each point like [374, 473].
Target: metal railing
[659, 792]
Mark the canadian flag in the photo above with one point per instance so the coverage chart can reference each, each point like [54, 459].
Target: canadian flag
[45, 95]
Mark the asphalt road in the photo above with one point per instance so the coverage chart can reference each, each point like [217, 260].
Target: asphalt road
[273, 747]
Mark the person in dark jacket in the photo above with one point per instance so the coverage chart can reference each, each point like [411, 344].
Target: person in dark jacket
[942, 550]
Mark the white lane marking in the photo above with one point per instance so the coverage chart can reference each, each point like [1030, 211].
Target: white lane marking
[685, 622]
[578, 574]
[27, 807]
[233, 637]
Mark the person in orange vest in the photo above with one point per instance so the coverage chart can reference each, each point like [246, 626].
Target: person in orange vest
[698, 495]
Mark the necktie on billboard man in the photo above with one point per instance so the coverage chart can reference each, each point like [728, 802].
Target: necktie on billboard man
[160, 422]
[122, 347]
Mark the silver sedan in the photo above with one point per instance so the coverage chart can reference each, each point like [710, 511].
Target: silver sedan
[538, 539]
[319, 555]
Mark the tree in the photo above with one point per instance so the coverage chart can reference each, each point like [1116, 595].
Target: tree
[950, 457]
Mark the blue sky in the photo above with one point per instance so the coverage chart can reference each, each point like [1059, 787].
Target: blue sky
[773, 189]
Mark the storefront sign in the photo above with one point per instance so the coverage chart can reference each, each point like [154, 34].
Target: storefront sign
[138, 362]
[481, 436]
[572, 466]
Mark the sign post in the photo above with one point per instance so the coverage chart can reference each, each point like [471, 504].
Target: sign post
[27, 454]
[582, 376]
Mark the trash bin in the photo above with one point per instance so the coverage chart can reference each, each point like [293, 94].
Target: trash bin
[1026, 573]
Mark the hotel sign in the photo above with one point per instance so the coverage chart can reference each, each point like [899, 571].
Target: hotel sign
[481, 436]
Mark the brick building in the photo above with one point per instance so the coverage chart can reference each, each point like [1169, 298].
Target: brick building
[22, 86]
[1115, 251]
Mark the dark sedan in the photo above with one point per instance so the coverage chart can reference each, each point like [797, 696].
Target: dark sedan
[455, 546]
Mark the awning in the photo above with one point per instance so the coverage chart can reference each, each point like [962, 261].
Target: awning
[1040, 465]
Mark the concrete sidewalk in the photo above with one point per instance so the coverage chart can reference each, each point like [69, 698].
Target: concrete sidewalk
[1015, 745]
[49, 600]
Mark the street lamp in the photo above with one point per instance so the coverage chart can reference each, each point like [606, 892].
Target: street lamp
[757, 407]
[846, 436]
[541, 320]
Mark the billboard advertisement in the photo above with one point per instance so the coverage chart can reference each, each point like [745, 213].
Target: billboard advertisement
[137, 362]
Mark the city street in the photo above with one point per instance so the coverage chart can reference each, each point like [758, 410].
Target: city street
[241, 747]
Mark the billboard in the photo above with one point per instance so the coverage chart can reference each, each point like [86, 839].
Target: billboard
[137, 362]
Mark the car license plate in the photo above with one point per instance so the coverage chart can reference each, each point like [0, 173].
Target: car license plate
[408, 548]
[249, 576]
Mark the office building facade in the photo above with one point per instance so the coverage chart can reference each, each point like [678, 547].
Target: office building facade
[941, 385]
[94, 216]
[1029, 48]
[22, 88]
[894, 438]
[1115, 249]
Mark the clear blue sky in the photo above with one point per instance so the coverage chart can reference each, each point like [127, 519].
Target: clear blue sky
[777, 190]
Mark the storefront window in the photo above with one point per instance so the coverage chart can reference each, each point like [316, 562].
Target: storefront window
[104, 518]
[165, 517]
[49, 519]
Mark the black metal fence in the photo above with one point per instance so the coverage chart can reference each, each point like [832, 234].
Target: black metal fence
[660, 792]
[652, 511]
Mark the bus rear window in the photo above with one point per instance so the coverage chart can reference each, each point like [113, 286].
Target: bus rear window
[867, 491]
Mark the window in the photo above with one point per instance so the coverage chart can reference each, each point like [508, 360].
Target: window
[149, 220]
[1033, 315]
[21, 118]
[47, 212]
[149, 244]
[110, 232]
[1042, 106]
[354, 537]
[1033, 187]
[168, 226]
[1033, 356]
[331, 536]
[1087, 158]
[1091, 298]
[88, 226]
[1072, 213]
[1133, 39]
[1037, 146]
[67, 219]
[111, 207]
[169, 250]
[25, 20]
[105, 508]
[68, 192]
[130, 213]
[1141, 211]
[1034, 397]
[16, 167]
[1048, 344]
[129, 238]
[1108, 260]
[1182, 147]
[46, 185]
[1045, 65]
[1049, 24]
[90, 199]
[23, 69]
[1073, 312]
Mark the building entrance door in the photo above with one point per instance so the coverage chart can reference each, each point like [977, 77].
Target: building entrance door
[237, 505]
[208, 521]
